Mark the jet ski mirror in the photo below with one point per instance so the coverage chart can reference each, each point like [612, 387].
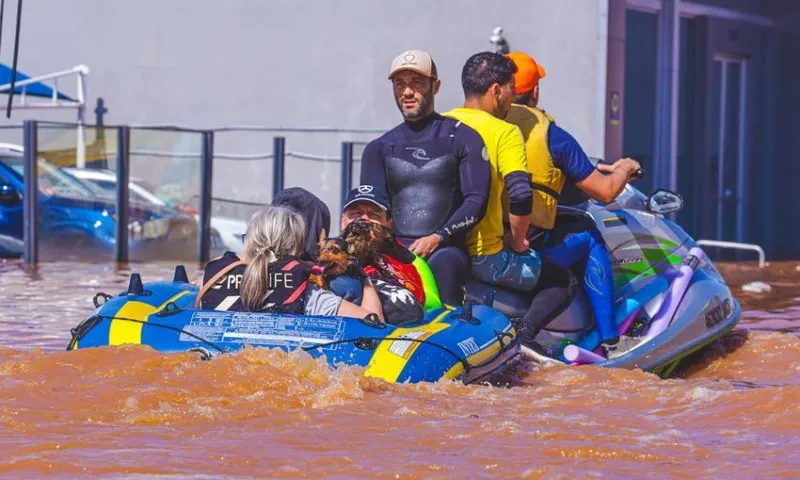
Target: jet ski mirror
[664, 201]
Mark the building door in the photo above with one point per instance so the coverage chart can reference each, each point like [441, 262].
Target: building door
[731, 127]
[728, 146]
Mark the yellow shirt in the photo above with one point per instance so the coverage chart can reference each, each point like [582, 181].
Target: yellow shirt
[505, 149]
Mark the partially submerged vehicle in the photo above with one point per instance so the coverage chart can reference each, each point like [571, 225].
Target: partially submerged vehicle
[225, 232]
[79, 219]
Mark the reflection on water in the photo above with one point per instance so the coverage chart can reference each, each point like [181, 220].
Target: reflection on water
[129, 410]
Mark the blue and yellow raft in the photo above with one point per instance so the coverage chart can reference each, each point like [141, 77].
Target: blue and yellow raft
[473, 343]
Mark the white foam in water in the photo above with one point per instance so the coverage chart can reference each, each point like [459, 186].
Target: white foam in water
[757, 287]
[703, 394]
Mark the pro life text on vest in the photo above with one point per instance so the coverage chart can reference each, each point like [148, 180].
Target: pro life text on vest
[280, 279]
[230, 282]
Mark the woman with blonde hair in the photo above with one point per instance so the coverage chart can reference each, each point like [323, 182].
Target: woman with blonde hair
[270, 277]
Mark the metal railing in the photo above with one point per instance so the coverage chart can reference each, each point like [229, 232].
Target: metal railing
[123, 152]
[122, 201]
[206, 157]
[762, 259]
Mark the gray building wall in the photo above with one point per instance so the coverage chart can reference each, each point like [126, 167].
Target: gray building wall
[282, 62]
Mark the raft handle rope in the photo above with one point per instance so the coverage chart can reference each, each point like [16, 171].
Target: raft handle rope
[106, 297]
[83, 328]
[373, 320]
[169, 309]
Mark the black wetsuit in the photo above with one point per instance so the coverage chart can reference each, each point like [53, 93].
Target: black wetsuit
[437, 178]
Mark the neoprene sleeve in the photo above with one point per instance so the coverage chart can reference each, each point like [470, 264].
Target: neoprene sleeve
[520, 193]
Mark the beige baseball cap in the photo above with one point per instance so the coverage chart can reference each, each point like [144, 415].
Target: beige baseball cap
[418, 61]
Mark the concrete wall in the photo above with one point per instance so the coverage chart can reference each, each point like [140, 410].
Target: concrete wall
[283, 62]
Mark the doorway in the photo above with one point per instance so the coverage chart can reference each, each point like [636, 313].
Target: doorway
[728, 146]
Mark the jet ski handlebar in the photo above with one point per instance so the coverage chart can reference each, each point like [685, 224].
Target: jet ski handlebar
[636, 175]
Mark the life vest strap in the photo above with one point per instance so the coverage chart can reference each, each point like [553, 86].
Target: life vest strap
[545, 189]
[213, 281]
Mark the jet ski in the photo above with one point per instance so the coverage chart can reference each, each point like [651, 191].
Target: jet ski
[475, 344]
[670, 299]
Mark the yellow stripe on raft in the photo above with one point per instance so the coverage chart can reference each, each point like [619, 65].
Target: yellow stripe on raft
[392, 355]
[123, 331]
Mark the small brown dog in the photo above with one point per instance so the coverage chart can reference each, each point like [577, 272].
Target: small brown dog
[333, 260]
[366, 240]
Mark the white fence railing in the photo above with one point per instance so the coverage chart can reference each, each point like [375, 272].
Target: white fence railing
[737, 246]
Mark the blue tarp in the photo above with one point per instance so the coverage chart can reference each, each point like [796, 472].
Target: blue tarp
[35, 89]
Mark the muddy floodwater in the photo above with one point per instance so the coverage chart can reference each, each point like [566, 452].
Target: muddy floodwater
[131, 412]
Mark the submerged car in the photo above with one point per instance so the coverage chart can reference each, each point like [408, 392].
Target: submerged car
[78, 221]
[226, 232]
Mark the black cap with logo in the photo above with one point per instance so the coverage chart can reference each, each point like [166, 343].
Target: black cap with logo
[368, 193]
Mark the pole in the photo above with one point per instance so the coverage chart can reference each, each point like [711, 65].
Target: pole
[279, 164]
[121, 250]
[347, 169]
[206, 171]
[30, 195]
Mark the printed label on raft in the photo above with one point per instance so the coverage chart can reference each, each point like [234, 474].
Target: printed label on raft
[404, 348]
[468, 346]
[262, 329]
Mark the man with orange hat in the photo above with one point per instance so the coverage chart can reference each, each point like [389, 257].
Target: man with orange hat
[553, 155]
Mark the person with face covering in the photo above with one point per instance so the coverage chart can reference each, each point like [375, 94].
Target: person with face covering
[435, 172]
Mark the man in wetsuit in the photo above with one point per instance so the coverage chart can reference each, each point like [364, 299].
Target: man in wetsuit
[434, 171]
[553, 155]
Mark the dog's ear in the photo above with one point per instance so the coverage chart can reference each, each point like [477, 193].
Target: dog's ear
[321, 241]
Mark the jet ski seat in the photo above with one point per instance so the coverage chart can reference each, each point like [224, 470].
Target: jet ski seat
[575, 321]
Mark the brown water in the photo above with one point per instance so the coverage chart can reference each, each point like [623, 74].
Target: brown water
[128, 411]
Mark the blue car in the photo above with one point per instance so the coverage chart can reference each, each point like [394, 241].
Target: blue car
[78, 221]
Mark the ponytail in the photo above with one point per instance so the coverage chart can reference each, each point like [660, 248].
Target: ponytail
[255, 281]
[273, 233]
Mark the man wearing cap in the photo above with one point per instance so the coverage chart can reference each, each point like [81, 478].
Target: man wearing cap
[553, 155]
[435, 172]
[371, 204]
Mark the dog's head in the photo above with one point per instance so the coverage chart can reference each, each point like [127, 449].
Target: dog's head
[332, 254]
[364, 239]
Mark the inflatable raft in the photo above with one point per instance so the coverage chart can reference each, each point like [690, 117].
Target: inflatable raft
[473, 343]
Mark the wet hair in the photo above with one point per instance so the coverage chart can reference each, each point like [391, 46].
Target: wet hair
[524, 99]
[483, 70]
[272, 234]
